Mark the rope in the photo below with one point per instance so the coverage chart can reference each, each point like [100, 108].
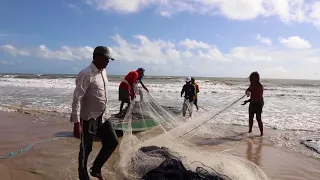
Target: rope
[13, 154]
[212, 117]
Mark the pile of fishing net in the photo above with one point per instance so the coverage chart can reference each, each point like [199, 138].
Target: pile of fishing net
[165, 152]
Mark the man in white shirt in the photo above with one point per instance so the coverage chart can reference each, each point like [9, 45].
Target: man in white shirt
[88, 108]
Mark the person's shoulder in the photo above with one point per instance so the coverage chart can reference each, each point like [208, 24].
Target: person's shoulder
[133, 73]
[260, 84]
[86, 71]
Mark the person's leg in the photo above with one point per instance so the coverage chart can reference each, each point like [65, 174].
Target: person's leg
[109, 142]
[196, 104]
[121, 106]
[184, 108]
[251, 116]
[85, 150]
[190, 107]
[258, 117]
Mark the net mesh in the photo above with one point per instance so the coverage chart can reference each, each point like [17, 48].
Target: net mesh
[169, 131]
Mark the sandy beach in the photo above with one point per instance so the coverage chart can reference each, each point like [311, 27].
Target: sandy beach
[57, 159]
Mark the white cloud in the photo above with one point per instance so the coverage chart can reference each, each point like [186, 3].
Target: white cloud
[295, 42]
[193, 44]
[169, 57]
[14, 51]
[264, 40]
[287, 10]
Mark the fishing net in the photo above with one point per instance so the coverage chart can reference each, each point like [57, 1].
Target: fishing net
[167, 145]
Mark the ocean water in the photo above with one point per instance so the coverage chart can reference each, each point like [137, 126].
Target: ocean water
[291, 110]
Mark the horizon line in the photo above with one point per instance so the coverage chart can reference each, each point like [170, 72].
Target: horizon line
[163, 76]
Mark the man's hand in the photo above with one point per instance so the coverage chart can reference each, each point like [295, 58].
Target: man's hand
[248, 93]
[77, 130]
[245, 102]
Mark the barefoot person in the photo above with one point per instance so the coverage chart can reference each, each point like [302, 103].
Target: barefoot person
[88, 107]
[127, 88]
[256, 100]
[189, 92]
[195, 102]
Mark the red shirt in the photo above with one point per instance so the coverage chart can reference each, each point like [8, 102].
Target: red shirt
[131, 78]
[256, 92]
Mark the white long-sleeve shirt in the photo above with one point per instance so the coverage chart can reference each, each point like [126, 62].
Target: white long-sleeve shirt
[90, 94]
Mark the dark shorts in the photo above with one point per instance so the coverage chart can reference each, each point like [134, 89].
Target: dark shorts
[256, 107]
[124, 95]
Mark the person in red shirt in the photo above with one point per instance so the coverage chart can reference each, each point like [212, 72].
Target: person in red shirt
[127, 87]
[255, 91]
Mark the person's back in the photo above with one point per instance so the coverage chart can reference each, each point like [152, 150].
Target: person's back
[130, 79]
[256, 91]
[189, 91]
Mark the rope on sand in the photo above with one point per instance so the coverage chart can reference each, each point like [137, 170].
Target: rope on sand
[13, 154]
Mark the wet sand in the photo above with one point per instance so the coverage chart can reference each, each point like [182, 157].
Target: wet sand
[58, 159]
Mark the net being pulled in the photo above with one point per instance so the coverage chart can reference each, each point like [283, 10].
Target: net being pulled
[164, 145]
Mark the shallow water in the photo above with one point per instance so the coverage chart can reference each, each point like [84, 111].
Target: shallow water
[290, 105]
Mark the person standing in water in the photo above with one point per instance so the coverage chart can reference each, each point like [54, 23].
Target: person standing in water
[127, 88]
[189, 92]
[88, 108]
[195, 102]
[255, 91]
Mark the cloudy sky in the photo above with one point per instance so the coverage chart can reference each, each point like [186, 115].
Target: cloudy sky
[223, 38]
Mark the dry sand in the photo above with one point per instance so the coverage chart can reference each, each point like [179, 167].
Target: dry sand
[58, 159]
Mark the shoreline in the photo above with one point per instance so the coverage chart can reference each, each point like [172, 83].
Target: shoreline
[167, 76]
[58, 159]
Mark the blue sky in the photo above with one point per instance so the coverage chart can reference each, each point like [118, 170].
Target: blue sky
[223, 38]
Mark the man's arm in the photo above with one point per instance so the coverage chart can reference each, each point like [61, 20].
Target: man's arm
[182, 91]
[82, 84]
[144, 87]
[197, 88]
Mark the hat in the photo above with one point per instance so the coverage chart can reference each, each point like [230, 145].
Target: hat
[141, 69]
[102, 50]
[188, 79]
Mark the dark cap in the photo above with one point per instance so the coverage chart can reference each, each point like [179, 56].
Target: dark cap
[102, 50]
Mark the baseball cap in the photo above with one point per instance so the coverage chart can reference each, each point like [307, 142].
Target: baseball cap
[102, 50]
[188, 79]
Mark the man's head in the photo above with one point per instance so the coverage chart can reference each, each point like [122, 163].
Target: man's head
[193, 80]
[101, 57]
[254, 77]
[188, 80]
[140, 72]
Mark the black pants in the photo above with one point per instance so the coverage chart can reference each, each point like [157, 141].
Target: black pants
[109, 141]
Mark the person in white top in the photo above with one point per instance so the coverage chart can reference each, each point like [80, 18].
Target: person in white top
[88, 107]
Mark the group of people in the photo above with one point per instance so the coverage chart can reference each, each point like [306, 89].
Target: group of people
[89, 105]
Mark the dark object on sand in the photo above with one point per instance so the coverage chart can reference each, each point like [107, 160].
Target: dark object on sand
[173, 169]
[312, 144]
